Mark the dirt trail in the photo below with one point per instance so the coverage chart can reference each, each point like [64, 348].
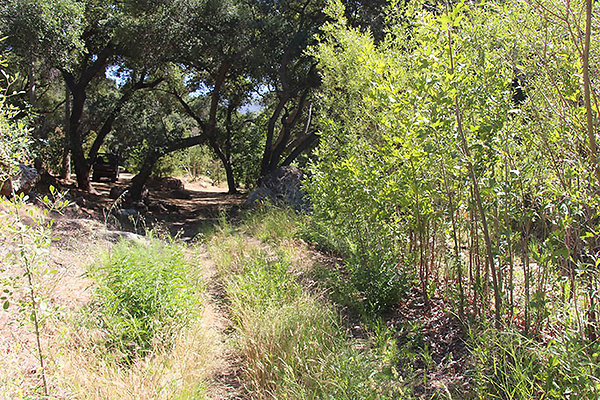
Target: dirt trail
[227, 381]
[182, 211]
[82, 232]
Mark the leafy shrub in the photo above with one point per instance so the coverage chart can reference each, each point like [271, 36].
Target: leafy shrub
[144, 295]
[15, 140]
[377, 277]
[373, 279]
[198, 161]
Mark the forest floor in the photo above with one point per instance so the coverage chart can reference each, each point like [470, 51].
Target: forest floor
[439, 357]
[182, 211]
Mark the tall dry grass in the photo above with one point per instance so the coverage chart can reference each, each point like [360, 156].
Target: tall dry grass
[291, 339]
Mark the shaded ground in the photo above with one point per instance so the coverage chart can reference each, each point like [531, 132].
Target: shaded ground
[183, 212]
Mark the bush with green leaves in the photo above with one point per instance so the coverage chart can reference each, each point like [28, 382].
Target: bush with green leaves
[428, 163]
[146, 293]
[199, 161]
[15, 139]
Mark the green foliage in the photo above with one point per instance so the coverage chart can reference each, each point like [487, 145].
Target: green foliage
[198, 161]
[15, 140]
[247, 148]
[52, 27]
[148, 123]
[146, 292]
[375, 274]
[272, 224]
[510, 366]
[302, 352]
[427, 120]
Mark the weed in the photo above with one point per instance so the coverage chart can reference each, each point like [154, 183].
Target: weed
[508, 365]
[270, 224]
[293, 343]
[145, 295]
[181, 371]
[373, 278]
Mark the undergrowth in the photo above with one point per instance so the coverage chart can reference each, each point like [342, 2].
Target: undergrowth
[273, 224]
[508, 365]
[295, 344]
[372, 279]
[292, 340]
[146, 334]
[146, 295]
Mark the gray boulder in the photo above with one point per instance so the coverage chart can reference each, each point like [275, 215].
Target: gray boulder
[166, 183]
[23, 181]
[283, 186]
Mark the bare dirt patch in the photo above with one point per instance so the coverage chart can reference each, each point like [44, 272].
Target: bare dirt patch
[182, 211]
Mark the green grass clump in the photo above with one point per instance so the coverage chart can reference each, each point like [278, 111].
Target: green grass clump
[145, 295]
[293, 343]
[509, 365]
[272, 224]
[373, 278]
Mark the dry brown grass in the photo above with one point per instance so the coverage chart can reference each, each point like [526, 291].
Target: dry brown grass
[62, 292]
[182, 372]
[76, 366]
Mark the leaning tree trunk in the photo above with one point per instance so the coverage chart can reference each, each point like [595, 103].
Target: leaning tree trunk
[227, 165]
[138, 181]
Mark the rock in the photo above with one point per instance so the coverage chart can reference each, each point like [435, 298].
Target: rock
[282, 186]
[166, 183]
[115, 236]
[25, 180]
[259, 195]
[128, 212]
[22, 182]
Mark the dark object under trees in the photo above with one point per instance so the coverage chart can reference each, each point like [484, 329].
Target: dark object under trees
[106, 166]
